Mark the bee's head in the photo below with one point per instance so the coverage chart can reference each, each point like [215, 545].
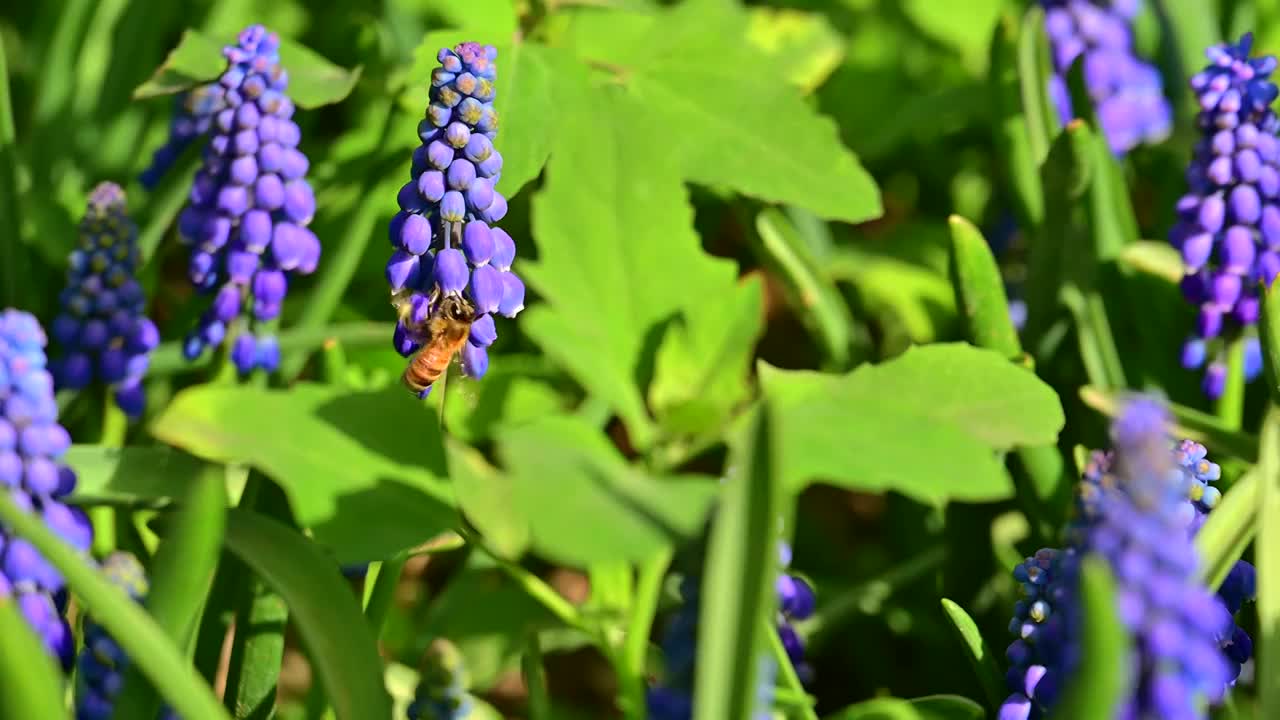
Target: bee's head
[456, 307]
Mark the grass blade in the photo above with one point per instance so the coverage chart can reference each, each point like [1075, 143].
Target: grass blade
[980, 655]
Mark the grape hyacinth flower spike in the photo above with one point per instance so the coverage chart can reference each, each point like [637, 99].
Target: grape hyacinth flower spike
[442, 686]
[31, 443]
[445, 240]
[249, 208]
[102, 664]
[1137, 508]
[102, 328]
[1228, 228]
[1127, 91]
[193, 113]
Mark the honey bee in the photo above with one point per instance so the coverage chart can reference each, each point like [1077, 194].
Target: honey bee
[446, 329]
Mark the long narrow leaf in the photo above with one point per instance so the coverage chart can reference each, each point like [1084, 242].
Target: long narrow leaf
[30, 680]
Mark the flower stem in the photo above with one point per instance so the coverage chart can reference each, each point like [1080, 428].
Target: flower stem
[789, 681]
[1230, 406]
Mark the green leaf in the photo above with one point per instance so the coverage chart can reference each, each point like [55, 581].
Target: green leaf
[319, 601]
[931, 707]
[181, 573]
[742, 125]
[1013, 140]
[814, 296]
[196, 61]
[1098, 685]
[704, 358]
[30, 680]
[341, 457]
[1267, 559]
[314, 81]
[1187, 423]
[805, 42]
[643, 265]
[584, 504]
[496, 16]
[1222, 540]
[534, 88]
[906, 424]
[737, 588]
[130, 475]
[966, 31]
[488, 499]
[980, 292]
[1035, 65]
[125, 620]
[1157, 259]
[985, 663]
[1192, 25]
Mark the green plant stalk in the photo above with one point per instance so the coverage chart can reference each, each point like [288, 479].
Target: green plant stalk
[1230, 406]
[13, 259]
[535, 678]
[787, 677]
[534, 587]
[631, 662]
[181, 572]
[378, 598]
[257, 649]
[337, 271]
[167, 358]
[218, 611]
[136, 632]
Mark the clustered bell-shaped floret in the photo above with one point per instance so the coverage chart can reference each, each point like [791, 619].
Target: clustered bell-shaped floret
[442, 692]
[102, 328]
[31, 445]
[1127, 92]
[445, 239]
[193, 113]
[1228, 228]
[1138, 509]
[672, 699]
[250, 206]
[101, 666]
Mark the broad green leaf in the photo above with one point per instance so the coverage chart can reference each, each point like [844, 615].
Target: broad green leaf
[604, 301]
[703, 360]
[741, 124]
[804, 41]
[487, 616]
[535, 85]
[496, 16]
[31, 683]
[141, 639]
[314, 81]
[319, 601]
[930, 707]
[488, 499]
[965, 30]
[985, 663]
[584, 504]
[907, 424]
[195, 61]
[131, 474]
[738, 583]
[980, 292]
[1097, 687]
[341, 457]
[509, 395]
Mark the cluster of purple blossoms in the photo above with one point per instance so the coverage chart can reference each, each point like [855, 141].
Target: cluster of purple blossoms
[250, 206]
[444, 235]
[673, 699]
[1137, 508]
[442, 685]
[193, 113]
[31, 442]
[1228, 226]
[102, 328]
[1127, 92]
[101, 666]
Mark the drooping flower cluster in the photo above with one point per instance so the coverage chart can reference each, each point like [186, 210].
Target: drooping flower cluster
[1138, 509]
[1127, 92]
[444, 235]
[193, 113]
[250, 206]
[102, 664]
[102, 328]
[31, 443]
[1228, 226]
[672, 699]
[442, 685]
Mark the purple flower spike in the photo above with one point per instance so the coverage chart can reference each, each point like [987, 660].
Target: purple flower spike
[31, 443]
[452, 178]
[1229, 220]
[251, 203]
[103, 305]
[1138, 509]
